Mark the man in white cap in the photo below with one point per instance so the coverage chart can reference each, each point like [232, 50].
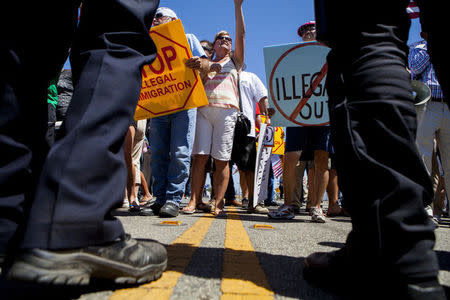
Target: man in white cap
[172, 137]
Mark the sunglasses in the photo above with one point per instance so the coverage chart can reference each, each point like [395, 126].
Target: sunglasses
[224, 37]
[160, 16]
[207, 48]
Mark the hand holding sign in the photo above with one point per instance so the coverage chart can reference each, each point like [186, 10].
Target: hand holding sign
[194, 63]
[200, 64]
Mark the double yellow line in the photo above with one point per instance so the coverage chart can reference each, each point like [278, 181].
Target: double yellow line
[242, 275]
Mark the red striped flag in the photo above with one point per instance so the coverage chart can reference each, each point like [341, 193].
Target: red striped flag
[413, 10]
[276, 166]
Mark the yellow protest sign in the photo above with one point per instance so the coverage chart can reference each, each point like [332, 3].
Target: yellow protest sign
[278, 142]
[168, 86]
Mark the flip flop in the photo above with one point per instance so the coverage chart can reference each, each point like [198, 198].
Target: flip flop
[220, 213]
[143, 202]
[134, 207]
[189, 210]
[204, 207]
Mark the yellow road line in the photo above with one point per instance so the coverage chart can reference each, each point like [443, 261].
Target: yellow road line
[179, 255]
[242, 276]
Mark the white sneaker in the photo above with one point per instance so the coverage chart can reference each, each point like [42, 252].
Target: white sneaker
[317, 215]
[283, 212]
[258, 209]
[125, 203]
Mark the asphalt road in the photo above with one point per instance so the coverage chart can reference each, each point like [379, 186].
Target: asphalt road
[227, 257]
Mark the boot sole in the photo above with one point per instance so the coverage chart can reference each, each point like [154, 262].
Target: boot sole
[79, 268]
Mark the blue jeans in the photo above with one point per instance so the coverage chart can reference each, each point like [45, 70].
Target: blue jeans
[171, 141]
[270, 190]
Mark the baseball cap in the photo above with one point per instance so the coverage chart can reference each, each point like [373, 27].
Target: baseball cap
[165, 12]
[302, 29]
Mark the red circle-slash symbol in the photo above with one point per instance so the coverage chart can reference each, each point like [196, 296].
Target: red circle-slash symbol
[323, 72]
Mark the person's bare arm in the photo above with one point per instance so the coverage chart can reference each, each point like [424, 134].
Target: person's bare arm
[264, 109]
[239, 47]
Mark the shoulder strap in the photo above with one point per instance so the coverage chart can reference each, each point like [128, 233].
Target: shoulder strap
[238, 84]
[239, 89]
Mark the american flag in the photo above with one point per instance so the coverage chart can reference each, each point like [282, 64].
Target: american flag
[413, 10]
[276, 165]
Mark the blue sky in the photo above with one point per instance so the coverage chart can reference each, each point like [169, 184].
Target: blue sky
[268, 23]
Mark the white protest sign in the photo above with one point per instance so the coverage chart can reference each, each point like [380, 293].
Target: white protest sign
[264, 151]
[296, 75]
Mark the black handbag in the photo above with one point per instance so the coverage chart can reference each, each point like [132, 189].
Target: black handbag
[242, 144]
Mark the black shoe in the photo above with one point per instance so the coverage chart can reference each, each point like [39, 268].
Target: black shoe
[2, 259]
[335, 271]
[125, 261]
[169, 210]
[296, 209]
[431, 290]
[273, 203]
[245, 202]
[150, 209]
[323, 264]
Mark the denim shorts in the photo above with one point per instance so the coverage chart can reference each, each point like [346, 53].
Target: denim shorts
[308, 138]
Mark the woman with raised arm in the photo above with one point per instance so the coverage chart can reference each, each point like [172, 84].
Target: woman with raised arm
[216, 121]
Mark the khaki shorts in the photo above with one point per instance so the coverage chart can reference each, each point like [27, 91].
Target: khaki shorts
[215, 131]
[137, 147]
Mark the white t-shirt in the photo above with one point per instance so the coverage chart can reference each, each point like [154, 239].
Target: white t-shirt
[252, 90]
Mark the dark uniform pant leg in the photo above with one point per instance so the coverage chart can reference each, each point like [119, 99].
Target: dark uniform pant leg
[373, 126]
[84, 175]
[32, 50]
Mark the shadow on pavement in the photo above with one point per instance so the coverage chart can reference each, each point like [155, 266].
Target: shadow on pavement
[258, 218]
[332, 244]
[341, 219]
[444, 260]
[12, 290]
[284, 274]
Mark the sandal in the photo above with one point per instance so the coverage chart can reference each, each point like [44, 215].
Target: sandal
[134, 207]
[143, 202]
[204, 207]
[189, 210]
[219, 212]
[218, 209]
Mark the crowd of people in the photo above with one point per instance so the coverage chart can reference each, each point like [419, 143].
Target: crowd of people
[309, 150]
[183, 146]
[54, 228]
